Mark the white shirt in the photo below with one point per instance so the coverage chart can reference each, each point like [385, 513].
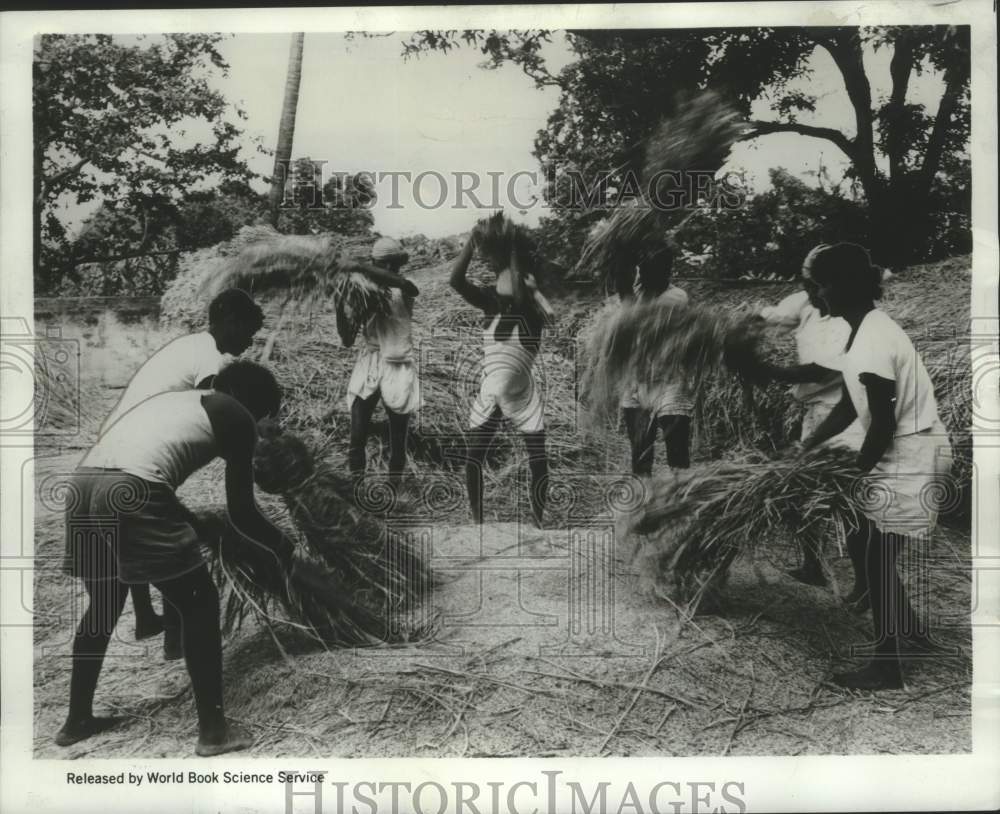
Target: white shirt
[819, 340]
[883, 348]
[162, 439]
[180, 365]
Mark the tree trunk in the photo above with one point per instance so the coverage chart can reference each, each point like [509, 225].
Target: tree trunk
[955, 78]
[890, 216]
[286, 129]
[847, 53]
[36, 221]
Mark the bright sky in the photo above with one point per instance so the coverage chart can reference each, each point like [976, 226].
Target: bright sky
[363, 108]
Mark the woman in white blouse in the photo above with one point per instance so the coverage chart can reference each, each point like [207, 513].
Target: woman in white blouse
[887, 389]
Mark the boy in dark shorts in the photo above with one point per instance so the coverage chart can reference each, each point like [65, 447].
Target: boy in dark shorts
[125, 526]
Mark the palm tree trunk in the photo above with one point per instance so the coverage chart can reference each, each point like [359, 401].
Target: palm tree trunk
[286, 129]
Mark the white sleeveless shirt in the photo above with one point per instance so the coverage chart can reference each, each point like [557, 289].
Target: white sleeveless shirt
[163, 439]
[180, 365]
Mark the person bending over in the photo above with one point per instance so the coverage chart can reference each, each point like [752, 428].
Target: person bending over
[131, 475]
[187, 363]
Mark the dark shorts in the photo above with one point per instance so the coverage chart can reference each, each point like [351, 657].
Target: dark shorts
[119, 526]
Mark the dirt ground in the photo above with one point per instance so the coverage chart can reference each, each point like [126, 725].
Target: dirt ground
[545, 646]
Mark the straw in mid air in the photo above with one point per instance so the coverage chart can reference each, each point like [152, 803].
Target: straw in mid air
[650, 340]
[696, 139]
[500, 238]
[696, 521]
[309, 269]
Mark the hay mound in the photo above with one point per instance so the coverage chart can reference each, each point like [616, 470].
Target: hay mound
[182, 304]
[309, 268]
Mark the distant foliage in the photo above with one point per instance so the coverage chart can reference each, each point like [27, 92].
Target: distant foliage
[909, 159]
[771, 233]
[110, 117]
[201, 220]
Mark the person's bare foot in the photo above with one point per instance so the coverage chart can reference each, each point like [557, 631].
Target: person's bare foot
[147, 627]
[75, 731]
[230, 739]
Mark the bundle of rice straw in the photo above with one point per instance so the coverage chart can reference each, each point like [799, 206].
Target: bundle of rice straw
[311, 594]
[499, 238]
[695, 522]
[697, 138]
[309, 269]
[347, 583]
[653, 341]
[182, 304]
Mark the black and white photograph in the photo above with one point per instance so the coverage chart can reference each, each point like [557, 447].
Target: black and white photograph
[621, 388]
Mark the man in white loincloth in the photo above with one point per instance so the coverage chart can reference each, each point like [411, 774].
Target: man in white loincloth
[385, 368]
[187, 363]
[515, 314]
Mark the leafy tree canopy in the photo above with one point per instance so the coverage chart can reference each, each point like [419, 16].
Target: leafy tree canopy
[621, 83]
[112, 122]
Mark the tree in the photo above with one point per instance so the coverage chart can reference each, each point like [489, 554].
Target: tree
[339, 206]
[110, 122]
[286, 127]
[203, 218]
[623, 82]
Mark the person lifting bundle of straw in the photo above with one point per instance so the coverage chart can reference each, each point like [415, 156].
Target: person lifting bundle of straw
[515, 314]
[657, 339]
[694, 140]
